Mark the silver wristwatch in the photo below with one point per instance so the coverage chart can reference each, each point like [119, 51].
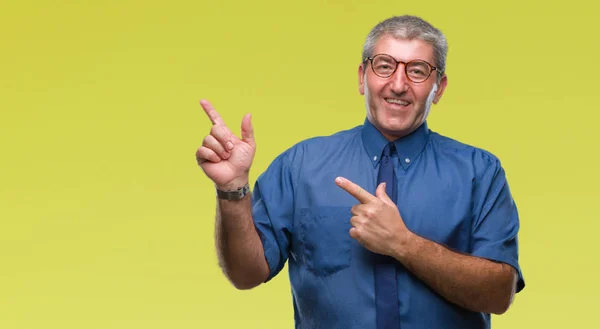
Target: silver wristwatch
[234, 195]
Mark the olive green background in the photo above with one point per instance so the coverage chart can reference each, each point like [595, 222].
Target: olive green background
[107, 222]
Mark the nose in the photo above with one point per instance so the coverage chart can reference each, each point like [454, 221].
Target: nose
[399, 82]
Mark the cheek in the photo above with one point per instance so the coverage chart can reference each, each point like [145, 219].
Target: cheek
[373, 85]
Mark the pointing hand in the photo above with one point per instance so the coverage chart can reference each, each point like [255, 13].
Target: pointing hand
[376, 221]
[225, 158]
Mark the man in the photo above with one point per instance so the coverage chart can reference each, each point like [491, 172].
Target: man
[386, 225]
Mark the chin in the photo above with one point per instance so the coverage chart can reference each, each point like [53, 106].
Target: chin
[395, 124]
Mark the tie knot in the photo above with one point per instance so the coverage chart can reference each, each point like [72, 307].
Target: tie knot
[389, 149]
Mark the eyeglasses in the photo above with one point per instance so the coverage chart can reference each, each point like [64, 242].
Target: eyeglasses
[384, 66]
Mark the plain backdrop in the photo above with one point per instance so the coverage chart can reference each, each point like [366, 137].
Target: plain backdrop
[106, 221]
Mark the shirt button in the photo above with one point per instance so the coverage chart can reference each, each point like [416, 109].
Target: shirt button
[375, 158]
[407, 160]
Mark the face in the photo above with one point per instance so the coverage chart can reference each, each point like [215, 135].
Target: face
[396, 105]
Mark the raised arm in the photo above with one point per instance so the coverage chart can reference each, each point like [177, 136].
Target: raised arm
[226, 160]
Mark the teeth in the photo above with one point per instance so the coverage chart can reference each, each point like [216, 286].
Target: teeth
[396, 101]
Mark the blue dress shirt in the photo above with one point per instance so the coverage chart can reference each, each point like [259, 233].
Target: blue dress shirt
[448, 192]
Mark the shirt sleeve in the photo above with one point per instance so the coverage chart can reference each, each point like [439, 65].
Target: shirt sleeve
[496, 220]
[273, 211]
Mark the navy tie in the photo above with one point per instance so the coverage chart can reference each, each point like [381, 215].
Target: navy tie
[386, 290]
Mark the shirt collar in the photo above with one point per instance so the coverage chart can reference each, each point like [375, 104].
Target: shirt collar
[407, 147]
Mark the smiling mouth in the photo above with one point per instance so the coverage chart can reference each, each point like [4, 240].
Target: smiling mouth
[395, 101]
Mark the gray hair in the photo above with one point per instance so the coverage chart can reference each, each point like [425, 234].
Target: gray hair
[410, 27]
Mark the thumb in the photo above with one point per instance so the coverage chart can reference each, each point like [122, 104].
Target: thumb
[381, 194]
[247, 130]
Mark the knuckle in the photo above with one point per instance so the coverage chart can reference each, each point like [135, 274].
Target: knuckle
[357, 233]
[225, 131]
[200, 156]
[216, 130]
[221, 133]
[206, 153]
[357, 190]
[211, 138]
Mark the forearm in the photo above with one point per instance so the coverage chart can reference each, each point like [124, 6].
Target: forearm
[473, 283]
[239, 248]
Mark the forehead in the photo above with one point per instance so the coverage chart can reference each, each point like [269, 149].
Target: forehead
[404, 49]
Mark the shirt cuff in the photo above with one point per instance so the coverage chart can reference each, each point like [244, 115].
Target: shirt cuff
[492, 253]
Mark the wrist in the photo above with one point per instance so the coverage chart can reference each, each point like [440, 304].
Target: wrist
[233, 185]
[235, 190]
[405, 246]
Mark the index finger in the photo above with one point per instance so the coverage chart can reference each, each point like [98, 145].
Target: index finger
[356, 191]
[214, 116]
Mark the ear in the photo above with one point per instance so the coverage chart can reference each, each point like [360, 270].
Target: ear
[361, 78]
[441, 88]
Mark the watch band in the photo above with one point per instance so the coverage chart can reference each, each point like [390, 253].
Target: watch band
[234, 195]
